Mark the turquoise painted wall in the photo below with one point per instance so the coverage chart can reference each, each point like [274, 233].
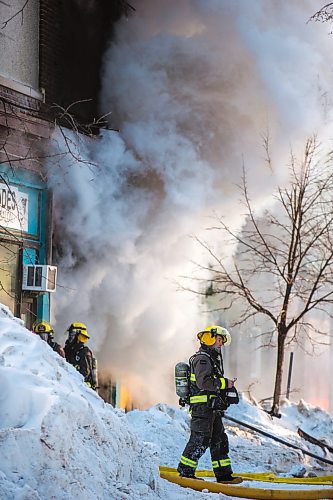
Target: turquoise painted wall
[31, 184]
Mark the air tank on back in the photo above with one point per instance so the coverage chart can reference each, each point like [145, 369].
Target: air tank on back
[182, 375]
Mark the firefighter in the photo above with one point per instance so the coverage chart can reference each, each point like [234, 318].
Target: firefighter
[45, 331]
[79, 355]
[207, 402]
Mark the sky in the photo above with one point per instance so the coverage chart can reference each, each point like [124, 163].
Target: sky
[189, 88]
[60, 440]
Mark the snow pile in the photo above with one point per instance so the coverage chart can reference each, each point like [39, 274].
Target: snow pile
[58, 435]
[310, 419]
[167, 428]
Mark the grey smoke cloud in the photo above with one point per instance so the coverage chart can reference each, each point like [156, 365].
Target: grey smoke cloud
[191, 86]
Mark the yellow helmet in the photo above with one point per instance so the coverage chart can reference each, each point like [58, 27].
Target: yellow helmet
[42, 327]
[208, 335]
[78, 328]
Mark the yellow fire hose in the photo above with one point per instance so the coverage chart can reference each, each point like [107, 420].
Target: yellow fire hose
[245, 492]
[262, 476]
[209, 473]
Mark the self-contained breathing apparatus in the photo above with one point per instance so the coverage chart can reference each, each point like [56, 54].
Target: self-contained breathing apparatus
[223, 400]
[91, 378]
[182, 380]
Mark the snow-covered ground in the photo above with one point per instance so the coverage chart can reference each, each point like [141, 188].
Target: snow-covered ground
[168, 429]
[59, 440]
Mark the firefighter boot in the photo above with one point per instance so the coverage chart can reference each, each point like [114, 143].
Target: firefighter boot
[229, 479]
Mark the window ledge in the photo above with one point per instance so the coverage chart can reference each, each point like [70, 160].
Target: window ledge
[20, 87]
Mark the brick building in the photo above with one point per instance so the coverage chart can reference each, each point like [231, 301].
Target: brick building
[50, 58]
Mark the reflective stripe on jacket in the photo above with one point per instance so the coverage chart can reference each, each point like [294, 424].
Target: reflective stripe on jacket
[206, 377]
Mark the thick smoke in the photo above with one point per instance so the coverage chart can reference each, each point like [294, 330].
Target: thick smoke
[191, 86]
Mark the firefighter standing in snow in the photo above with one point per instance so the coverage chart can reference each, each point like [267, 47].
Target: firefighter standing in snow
[79, 355]
[45, 331]
[207, 401]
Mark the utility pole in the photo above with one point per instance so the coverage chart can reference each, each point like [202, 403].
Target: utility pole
[291, 358]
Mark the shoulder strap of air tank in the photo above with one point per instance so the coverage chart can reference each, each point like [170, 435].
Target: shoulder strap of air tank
[197, 353]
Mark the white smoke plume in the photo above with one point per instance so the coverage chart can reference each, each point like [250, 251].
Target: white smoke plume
[191, 87]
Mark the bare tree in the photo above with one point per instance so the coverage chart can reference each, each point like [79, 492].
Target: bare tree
[324, 15]
[289, 249]
[18, 12]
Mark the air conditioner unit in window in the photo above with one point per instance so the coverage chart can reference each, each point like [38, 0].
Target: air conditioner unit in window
[39, 278]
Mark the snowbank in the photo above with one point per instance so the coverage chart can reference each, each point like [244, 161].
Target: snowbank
[58, 438]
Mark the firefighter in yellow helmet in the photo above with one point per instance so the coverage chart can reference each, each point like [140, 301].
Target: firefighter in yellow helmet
[209, 390]
[45, 332]
[79, 355]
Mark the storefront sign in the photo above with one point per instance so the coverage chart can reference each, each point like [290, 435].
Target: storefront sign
[13, 208]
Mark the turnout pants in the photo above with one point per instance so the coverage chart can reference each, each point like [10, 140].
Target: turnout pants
[207, 431]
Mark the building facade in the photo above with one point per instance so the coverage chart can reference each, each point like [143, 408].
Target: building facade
[50, 59]
[25, 203]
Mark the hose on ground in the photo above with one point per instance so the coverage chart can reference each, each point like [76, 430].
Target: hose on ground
[279, 440]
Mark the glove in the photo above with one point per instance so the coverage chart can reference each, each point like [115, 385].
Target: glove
[232, 396]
